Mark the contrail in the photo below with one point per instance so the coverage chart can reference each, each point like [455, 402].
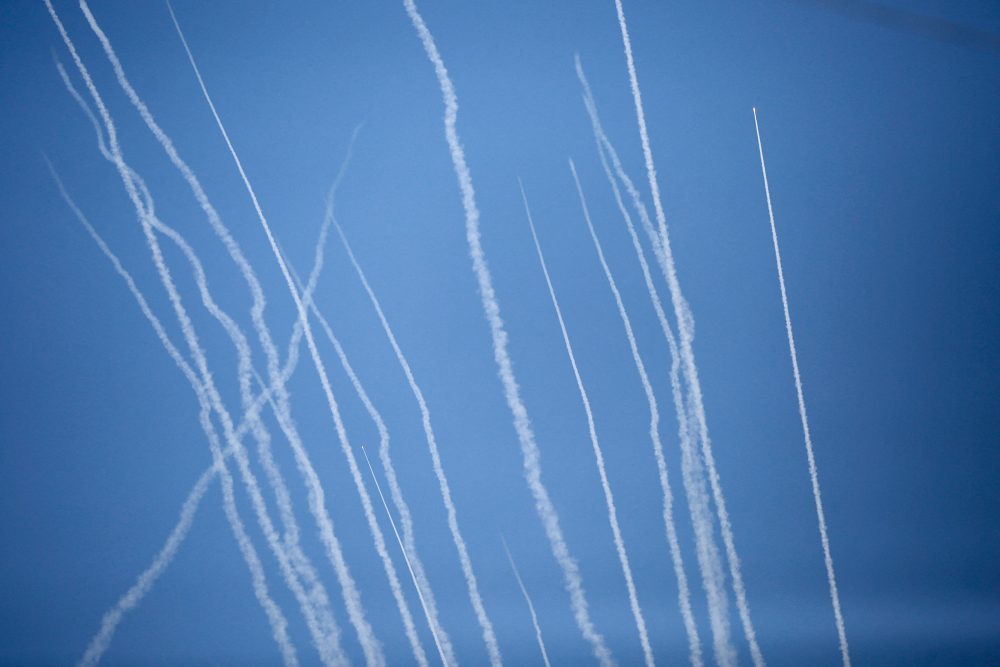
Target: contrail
[813, 474]
[485, 624]
[654, 412]
[315, 603]
[403, 550]
[275, 616]
[609, 498]
[372, 650]
[412, 557]
[685, 329]
[695, 486]
[531, 607]
[522, 424]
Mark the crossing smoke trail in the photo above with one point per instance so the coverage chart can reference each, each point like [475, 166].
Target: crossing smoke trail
[208, 397]
[491, 308]
[695, 487]
[654, 413]
[373, 652]
[813, 473]
[609, 499]
[531, 607]
[294, 563]
[686, 331]
[465, 561]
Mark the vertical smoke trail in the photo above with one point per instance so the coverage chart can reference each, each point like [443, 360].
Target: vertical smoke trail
[695, 486]
[372, 650]
[522, 424]
[409, 541]
[531, 607]
[489, 637]
[609, 498]
[403, 550]
[654, 412]
[813, 474]
[275, 616]
[687, 353]
[314, 601]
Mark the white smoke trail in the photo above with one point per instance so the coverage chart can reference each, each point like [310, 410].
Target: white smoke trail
[687, 354]
[206, 393]
[315, 603]
[695, 486]
[399, 540]
[813, 473]
[372, 650]
[485, 624]
[609, 498]
[531, 607]
[522, 424]
[409, 541]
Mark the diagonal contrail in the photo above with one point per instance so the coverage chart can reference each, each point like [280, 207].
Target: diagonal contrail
[572, 579]
[813, 473]
[609, 499]
[531, 607]
[485, 624]
[686, 331]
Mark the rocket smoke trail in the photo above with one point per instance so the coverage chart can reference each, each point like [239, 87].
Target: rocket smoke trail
[522, 424]
[531, 607]
[609, 498]
[813, 474]
[686, 330]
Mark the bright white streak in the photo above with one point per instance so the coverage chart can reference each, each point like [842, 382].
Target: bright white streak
[373, 652]
[813, 473]
[531, 607]
[686, 331]
[406, 558]
[609, 498]
[485, 624]
[206, 393]
[522, 424]
[695, 486]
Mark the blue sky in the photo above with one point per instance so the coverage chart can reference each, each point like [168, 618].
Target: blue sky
[882, 148]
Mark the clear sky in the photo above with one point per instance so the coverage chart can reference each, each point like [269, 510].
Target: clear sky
[883, 148]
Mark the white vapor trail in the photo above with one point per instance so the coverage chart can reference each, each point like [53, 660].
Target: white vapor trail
[813, 473]
[294, 563]
[485, 624]
[609, 498]
[686, 330]
[572, 579]
[373, 652]
[695, 486]
[531, 607]
[207, 394]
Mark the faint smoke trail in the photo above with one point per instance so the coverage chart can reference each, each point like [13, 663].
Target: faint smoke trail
[695, 486]
[373, 652]
[522, 424]
[275, 616]
[531, 607]
[609, 498]
[813, 474]
[315, 603]
[456, 534]
[403, 550]
[687, 353]
[654, 412]
[413, 559]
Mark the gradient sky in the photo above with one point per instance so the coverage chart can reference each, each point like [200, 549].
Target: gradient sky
[883, 152]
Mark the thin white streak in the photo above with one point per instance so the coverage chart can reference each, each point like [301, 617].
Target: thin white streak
[609, 498]
[813, 473]
[687, 353]
[531, 607]
[522, 424]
